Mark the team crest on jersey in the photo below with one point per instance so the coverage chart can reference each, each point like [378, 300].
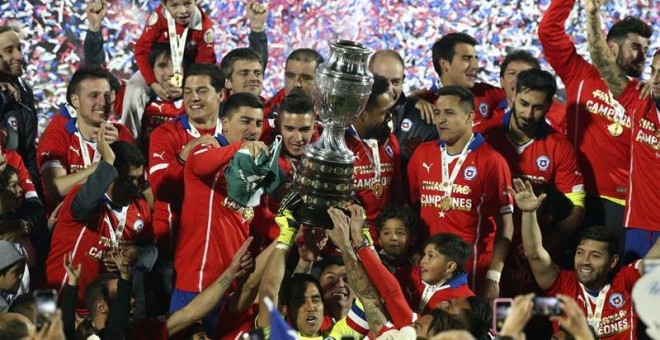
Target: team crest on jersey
[483, 109]
[389, 151]
[616, 300]
[406, 125]
[470, 173]
[13, 122]
[543, 163]
[153, 19]
[138, 225]
[209, 36]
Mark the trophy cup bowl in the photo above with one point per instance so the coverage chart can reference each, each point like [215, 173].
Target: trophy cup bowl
[325, 176]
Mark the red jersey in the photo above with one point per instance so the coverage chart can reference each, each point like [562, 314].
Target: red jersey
[166, 175]
[429, 296]
[199, 42]
[61, 146]
[13, 159]
[619, 320]
[156, 113]
[478, 194]
[374, 194]
[595, 119]
[210, 232]
[90, 239]
[643, 183]
[548, 158]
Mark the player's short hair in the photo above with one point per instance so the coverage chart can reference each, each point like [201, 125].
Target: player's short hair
[5, 175]
[465, 96]
[216, 76]
[445, 48]
[293, 290]
[97, 291]
[452, 246]
[7, 28]
[158, 49]
[479, 318]
[403, 213]
[330, 261]
[238, 100]
[601, 234]
[305, 55]
[84, 73]
[657, 52]
[242, 53]
[537, 80]
[520, 56]
[442, 321]
[629, 24]
[297, 102]
[386, 53]
[380, 86]
[126, 155]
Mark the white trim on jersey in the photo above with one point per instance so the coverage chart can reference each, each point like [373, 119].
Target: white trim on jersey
[73, 256]
[208, 233]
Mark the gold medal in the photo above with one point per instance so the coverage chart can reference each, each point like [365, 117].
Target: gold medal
[615, 129]
[177, 80]
[377, 189]
[445, 203]
[247, 213]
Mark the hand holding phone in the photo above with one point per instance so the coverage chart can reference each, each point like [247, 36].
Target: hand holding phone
[45, 303]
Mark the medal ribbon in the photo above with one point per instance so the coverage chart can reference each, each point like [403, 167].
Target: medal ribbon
[177, 43]
[448, 181]
[594, 316]
[115, 235]
[429, 290]
[373, 154]
[84, 152]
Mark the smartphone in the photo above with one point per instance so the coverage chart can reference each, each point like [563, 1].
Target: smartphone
[45, 305]
[501, 309]
[546, 306]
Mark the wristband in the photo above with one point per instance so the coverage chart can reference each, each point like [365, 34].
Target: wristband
[364, 244]
[282, 246]
[493, 275]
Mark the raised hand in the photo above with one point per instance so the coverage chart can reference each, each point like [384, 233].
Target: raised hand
[96, 12]
[73, 273]
[339, 234]
[242, 263]
[592, 6]
[103, 146]
[257, 14]
[524, 196]
[121, 262]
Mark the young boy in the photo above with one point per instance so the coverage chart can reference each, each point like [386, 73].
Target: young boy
[187, 30]
[397, 226]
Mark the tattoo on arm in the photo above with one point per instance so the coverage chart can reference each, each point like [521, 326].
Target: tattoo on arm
[612, 74]
[225, 281]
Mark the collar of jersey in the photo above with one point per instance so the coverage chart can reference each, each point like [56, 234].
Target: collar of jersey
[476, 142]
[185, 124]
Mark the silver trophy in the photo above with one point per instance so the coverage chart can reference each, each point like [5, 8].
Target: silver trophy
[325, 176]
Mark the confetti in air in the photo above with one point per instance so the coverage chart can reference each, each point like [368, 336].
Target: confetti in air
[54, 30]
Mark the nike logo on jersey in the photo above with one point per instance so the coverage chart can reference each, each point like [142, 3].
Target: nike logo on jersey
[45, 154]
[427, 167]
[77, 151]
[156, 155]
